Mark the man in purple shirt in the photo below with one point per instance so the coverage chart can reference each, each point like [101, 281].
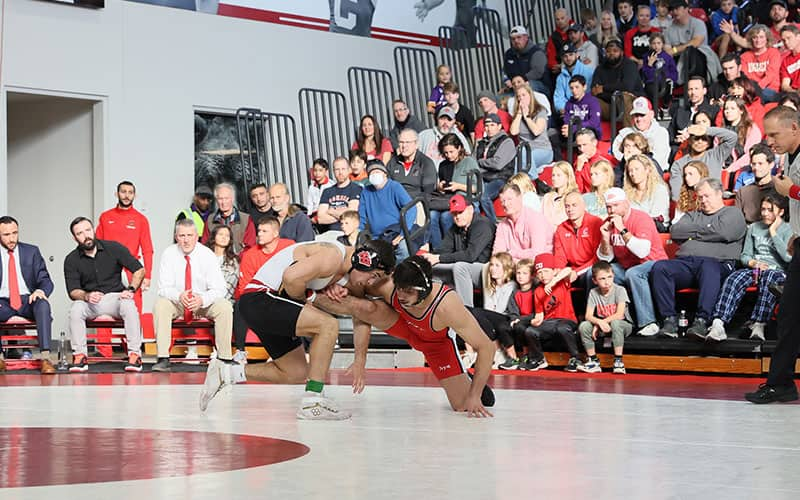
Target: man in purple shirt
[583, 105]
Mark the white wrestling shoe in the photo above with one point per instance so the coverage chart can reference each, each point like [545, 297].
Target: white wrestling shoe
[218, 377]
[320, 408]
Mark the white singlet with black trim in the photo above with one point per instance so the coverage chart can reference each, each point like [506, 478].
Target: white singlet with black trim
[270, 275]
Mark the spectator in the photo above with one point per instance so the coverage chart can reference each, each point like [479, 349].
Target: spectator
[790, 64]
[429, 138]
[647, 191]
[358, 167]
[530, 126]
[465, 250]
[371, 141]
[659, 84]
[339, 198]
[744, 89]
[687, 42]
[530, 198]
[25, 286]
[511, 101]
[562, 180]
[295, 224]
[571, 66]
[634, 144]
[320, 181]
[496, 154]
[607, 32]
[520, 311]
[602, 179]
[766, 260]
[587, 52]
[606, 312]
[779, 15]
[643, 122]
[588, 19]
[244, 231]
[749, 197]
[453, 173]
[411, 168]
[525, 58]
[259, 202]
[616, 73]
[403, 119]
[557, 39]
[762, 63]
[662, 19]
[488, 104]
[582, 105]
[200, 208]
[554, 316]
[696, 102]
[190, 285]
[379, 207]
[731, 70]
[524, 233]
[498, 289]
[221, 243]
[736, 119]
[711, 242]
[626, 20]
[436, 99]
[586, 142]
[693, 172]
[92, 273]
[465, 120]
[576, 239]
[728, 12]
[629, 237]
[637, 39]
[351, 236]
[701, 140]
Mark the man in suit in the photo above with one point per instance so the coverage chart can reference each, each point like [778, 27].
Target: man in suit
[25, 285]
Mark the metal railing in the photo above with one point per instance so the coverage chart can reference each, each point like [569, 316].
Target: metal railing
[371, 93]
[538, 16]
[523, 160]
[616, 113]
[462, 66]
[269, 152]
[575, 124]
[474, 186]
[411, 235]
[416, 75]
[326, 122]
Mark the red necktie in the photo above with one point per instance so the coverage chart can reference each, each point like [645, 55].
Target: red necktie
[13, 287]
[187, 281]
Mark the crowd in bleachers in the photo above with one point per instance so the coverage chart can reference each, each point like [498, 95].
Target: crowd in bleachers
[688, 168]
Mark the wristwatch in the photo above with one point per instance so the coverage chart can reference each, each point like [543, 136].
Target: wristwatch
[131, 289]
[624, 231]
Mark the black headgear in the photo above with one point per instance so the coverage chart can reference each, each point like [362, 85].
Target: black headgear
[367, 259]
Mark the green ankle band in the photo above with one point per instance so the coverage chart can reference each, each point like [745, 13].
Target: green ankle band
[314, 386]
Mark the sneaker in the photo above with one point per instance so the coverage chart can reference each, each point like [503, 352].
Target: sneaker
[134, 363]
[770, 394]
[619, 366]
[217, 377]
[757, 331]
[590, 366]
[320, 408]
[523, 363]
[162, 365]
[240, 357]
[80, 363]
[717, 331]
[699, 330]
[509, 364]
[468, 359]
[500, 357]
[237, 373]
[487, 396]
[572, 365]
[26, 355]
[191, 355]
[669, 329]
[537, 365]
[649, 330]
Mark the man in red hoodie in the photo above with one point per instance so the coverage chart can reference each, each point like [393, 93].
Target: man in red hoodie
[558, 38]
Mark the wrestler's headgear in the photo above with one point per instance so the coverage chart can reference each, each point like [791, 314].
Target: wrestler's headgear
[414, 273]
[376, 255]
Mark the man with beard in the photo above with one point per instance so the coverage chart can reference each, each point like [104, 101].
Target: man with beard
[616, 73]
[93, 276]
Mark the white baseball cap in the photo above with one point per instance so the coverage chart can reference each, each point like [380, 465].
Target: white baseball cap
[614, 195]
[641, 106]
[518, 30]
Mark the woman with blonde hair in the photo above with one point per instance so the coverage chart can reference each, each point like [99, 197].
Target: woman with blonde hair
[529, 125]
[687, 199]
[602, 175]
[530, 198]
[647, 190]
[562, 182]
[607, 30]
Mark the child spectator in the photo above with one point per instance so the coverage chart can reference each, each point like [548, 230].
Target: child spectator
[465, 120]
[602, 174]
[371, 141]
[662, 20]
[520, 311]
[729, 12]
[606, 312]
[660, 81]
[437, 100]
[352, 237]
[498, 289]
[320, 181]
[766, 260]
[583, 105]
[554, 316]
[736, 118]
[358, 167]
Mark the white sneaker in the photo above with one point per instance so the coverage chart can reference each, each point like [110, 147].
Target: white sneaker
[320, 408]
[500, 357]
[237, 373]
[717, 330]
[648, 330]
[240, 357]
[191, 354]
[217, 377]
[757, 331]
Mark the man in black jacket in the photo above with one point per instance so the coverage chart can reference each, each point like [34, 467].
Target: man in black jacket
[465, 249]
[616, 73]
[682, 115]
[495, 154]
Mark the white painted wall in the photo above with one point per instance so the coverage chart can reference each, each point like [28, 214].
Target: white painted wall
[153, 66]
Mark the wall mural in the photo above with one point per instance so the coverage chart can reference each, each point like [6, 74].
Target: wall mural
[216, 153]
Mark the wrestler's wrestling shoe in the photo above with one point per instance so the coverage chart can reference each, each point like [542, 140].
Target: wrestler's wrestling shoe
[218, 377]
[320, 408]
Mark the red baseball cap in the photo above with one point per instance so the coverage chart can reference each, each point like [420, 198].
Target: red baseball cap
[545, 261]
[458, 204]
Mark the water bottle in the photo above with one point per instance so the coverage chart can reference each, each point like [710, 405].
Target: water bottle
[63, 365]
[683, 322]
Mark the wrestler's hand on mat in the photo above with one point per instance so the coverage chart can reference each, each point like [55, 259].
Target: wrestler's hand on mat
[335, 292]
[359, 372]
[474, 408]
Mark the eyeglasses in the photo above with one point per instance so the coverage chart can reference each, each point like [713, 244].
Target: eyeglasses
[407, 142]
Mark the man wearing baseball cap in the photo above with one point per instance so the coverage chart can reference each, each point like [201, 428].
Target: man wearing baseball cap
[489, 104]
[571, 66]
[429, 138]
[465, 249]
[643, 121]
[616, 73]
[630, 239]
[588, 53]
[495, 154]
[526, 58]
[686, 34]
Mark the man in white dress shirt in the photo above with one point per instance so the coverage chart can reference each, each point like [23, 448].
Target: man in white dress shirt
[190, 286]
